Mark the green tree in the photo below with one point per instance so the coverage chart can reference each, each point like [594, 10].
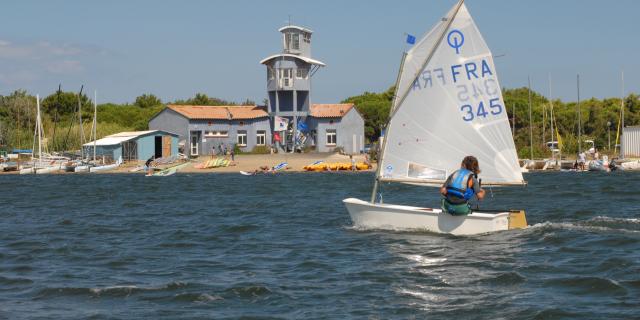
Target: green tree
[65, 104]
[147, 101]
[375, 108]
[201, 99]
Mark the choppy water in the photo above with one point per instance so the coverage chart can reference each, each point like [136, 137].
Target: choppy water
[229, 246]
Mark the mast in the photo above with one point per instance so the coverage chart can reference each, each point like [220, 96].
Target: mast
[39, 128]
[622, 114]
[81, 127]
[530, 124]
[579, 118]
[513, 122]
[95, 122]
[553, 156]
[404, 95]
[395, 97]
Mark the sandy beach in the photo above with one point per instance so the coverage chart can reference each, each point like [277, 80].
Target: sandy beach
[251, 162]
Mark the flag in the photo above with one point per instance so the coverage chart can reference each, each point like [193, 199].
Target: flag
[280, 123]
[302, 127]
[411, 39]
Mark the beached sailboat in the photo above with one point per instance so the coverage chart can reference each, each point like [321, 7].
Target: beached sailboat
[448, 105]
[44, 163]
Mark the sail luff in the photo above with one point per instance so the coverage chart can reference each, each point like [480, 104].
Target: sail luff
[395, 96]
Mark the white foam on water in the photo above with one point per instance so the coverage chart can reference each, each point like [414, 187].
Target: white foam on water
[424, 261]
[579, 227]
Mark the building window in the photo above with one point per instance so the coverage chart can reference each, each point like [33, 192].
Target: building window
[286, 76]
[306, 37]
[261, 137]
[216, 134]
[242, 138]
[332, 137]
[301, 73]
[296, 41]
[292, 41]
[270, 73]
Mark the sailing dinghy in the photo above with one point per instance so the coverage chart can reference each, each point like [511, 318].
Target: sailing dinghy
[448, 105]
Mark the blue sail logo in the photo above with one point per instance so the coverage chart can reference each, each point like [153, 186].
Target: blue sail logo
[455, 38]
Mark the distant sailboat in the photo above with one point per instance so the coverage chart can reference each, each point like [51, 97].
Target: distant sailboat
[449, 105]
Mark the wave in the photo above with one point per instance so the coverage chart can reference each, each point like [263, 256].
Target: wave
[596, 224]
[249, 291]
[109, 291]
[586, 285]
[197, 297]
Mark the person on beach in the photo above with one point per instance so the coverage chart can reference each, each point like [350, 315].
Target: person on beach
[582, 160]
[233, 154]
[460, 187]
[149, 166]
[353, 163]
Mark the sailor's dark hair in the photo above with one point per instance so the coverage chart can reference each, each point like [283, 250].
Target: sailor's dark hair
[471, 163]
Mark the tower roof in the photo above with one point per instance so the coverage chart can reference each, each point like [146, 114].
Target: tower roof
[303, 58]
[296, 28]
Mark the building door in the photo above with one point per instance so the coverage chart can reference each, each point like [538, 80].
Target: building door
[195, 138]
[158, 147]
[130, 151]
[166, 146]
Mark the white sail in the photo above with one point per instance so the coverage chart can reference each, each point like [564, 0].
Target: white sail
[454, 108]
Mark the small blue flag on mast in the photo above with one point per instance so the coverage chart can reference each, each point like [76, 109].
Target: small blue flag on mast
[411, 39]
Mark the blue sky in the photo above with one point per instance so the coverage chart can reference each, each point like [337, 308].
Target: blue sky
[174, 49]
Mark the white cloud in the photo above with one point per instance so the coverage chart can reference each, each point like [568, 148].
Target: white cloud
[65, 67]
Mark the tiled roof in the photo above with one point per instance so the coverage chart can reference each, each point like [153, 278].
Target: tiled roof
[219, 112]
[330, 110]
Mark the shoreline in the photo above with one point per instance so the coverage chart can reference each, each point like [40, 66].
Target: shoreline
[244, 162]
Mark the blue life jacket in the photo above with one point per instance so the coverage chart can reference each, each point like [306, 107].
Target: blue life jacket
[459, 184]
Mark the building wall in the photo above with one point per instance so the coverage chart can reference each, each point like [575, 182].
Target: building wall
[251, 126]
[631, 142]
[171, 121]
[146, 147]
[348, 128]
[110, 153]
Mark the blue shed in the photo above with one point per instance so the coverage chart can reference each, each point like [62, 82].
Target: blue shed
[134, 145]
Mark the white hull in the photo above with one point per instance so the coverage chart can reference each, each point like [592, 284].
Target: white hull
[83, 168]
[103, 168]
[27, 171]
[46, 170]
[398, 217]
[40, 170]
[631, 165]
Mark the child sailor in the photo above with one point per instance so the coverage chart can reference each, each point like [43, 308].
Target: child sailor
[460, 187]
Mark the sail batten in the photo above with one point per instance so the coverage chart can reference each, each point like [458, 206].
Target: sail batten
[450, 106]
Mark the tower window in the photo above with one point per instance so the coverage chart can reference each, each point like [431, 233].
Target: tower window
[296, 41]
[301, 73]
[292, 41]
[306, 37]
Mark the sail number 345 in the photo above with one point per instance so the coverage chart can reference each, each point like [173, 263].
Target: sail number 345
[481, 110]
